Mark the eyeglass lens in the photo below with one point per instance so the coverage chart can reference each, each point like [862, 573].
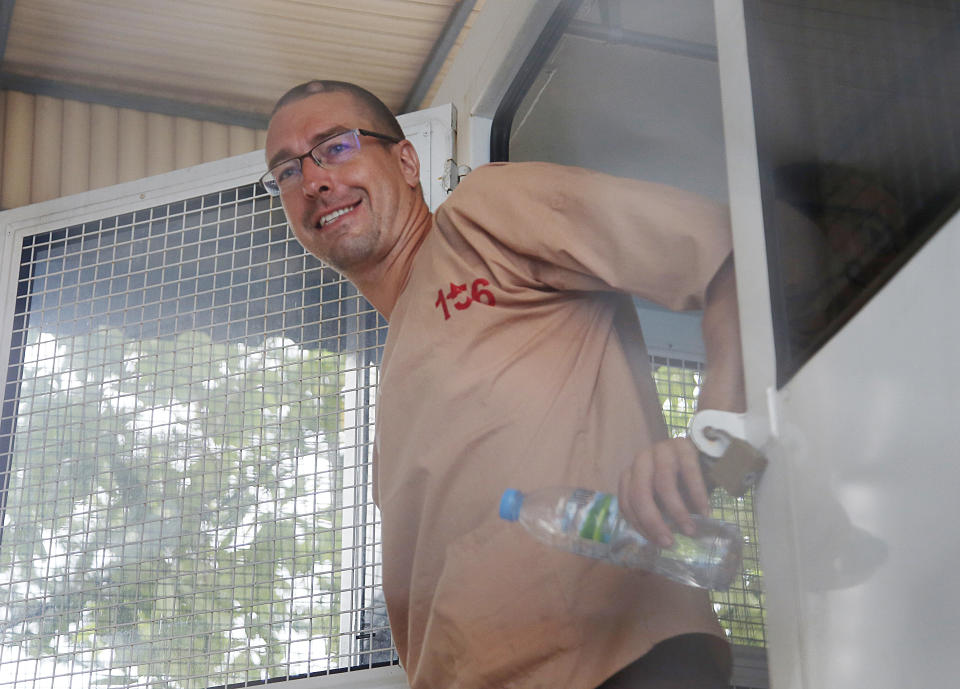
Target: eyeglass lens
[330, 152]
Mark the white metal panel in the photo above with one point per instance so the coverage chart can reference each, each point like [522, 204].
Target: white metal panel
[867, 428]
[777, 527]
[55, 147]
[75, 155]
[132, 161]
[104, 126]
[48, 118]
[857, 505]
[17, 149]
[392, 677]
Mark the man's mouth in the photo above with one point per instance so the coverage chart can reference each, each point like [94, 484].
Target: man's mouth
[330, 217]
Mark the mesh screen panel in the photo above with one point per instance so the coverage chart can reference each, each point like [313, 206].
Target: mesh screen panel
[741, 607]
[185, 440]
[186, 427]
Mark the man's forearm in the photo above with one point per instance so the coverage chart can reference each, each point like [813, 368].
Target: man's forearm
[724, 385]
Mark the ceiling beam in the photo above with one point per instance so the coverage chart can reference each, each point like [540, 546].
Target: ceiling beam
[133, 101]
[438, 55]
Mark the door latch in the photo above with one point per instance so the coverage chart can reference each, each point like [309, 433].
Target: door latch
[727, 459]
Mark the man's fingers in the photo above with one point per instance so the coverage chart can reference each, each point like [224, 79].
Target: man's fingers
[638, 504]
[663, 486]
[667, 463]
[698, 499]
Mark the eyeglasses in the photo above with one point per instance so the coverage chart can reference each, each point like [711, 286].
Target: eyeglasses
[332, 151]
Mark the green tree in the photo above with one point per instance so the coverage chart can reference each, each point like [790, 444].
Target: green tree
[173, 508]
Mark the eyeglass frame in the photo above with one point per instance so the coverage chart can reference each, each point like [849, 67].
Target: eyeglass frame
[357, 132]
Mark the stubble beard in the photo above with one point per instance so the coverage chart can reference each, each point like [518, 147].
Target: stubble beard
[348, 252]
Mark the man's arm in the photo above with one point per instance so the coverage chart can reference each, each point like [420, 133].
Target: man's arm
[665, 479]
[649, 240]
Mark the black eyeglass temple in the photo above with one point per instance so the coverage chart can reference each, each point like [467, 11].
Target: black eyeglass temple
[377, 135]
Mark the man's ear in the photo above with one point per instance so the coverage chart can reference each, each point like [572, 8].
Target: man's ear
[409, 162]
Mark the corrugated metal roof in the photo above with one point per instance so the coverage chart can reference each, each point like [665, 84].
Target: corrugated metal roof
[235, 55]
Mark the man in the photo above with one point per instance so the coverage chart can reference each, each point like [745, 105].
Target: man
[514, 359]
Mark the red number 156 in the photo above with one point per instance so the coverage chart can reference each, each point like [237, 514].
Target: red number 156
[477, 293]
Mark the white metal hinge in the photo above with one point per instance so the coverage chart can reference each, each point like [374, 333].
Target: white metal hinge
[452, 174]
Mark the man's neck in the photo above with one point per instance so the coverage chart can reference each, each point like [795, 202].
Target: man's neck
[383, 282]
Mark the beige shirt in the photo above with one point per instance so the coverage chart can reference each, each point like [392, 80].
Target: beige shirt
[515, 360]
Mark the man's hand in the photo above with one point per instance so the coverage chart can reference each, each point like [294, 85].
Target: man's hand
[664, 483]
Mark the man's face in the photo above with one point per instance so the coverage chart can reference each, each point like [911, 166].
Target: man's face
[346, 215]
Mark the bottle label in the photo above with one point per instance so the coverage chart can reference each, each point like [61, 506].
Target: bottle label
[591, 515]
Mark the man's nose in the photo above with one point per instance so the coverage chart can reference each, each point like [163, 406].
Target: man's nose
[316, 179]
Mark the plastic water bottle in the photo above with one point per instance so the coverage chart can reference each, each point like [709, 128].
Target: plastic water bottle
[588, 523]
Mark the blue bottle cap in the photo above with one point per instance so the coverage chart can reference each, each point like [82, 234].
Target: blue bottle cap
[510, 504]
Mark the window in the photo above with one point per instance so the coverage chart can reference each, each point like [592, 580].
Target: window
[859, 145]
[185, 436]
[184, 439]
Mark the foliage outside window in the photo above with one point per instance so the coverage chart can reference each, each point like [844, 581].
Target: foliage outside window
[183, 446]
[173, 517]
[741, 608]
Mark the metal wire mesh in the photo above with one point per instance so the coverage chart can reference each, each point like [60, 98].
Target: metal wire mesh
[741, 609]
[186, 424]
[185, 448]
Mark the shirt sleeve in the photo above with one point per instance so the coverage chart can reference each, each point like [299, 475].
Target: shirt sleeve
[579, 229]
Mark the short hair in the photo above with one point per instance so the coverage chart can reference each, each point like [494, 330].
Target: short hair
[380, 114]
